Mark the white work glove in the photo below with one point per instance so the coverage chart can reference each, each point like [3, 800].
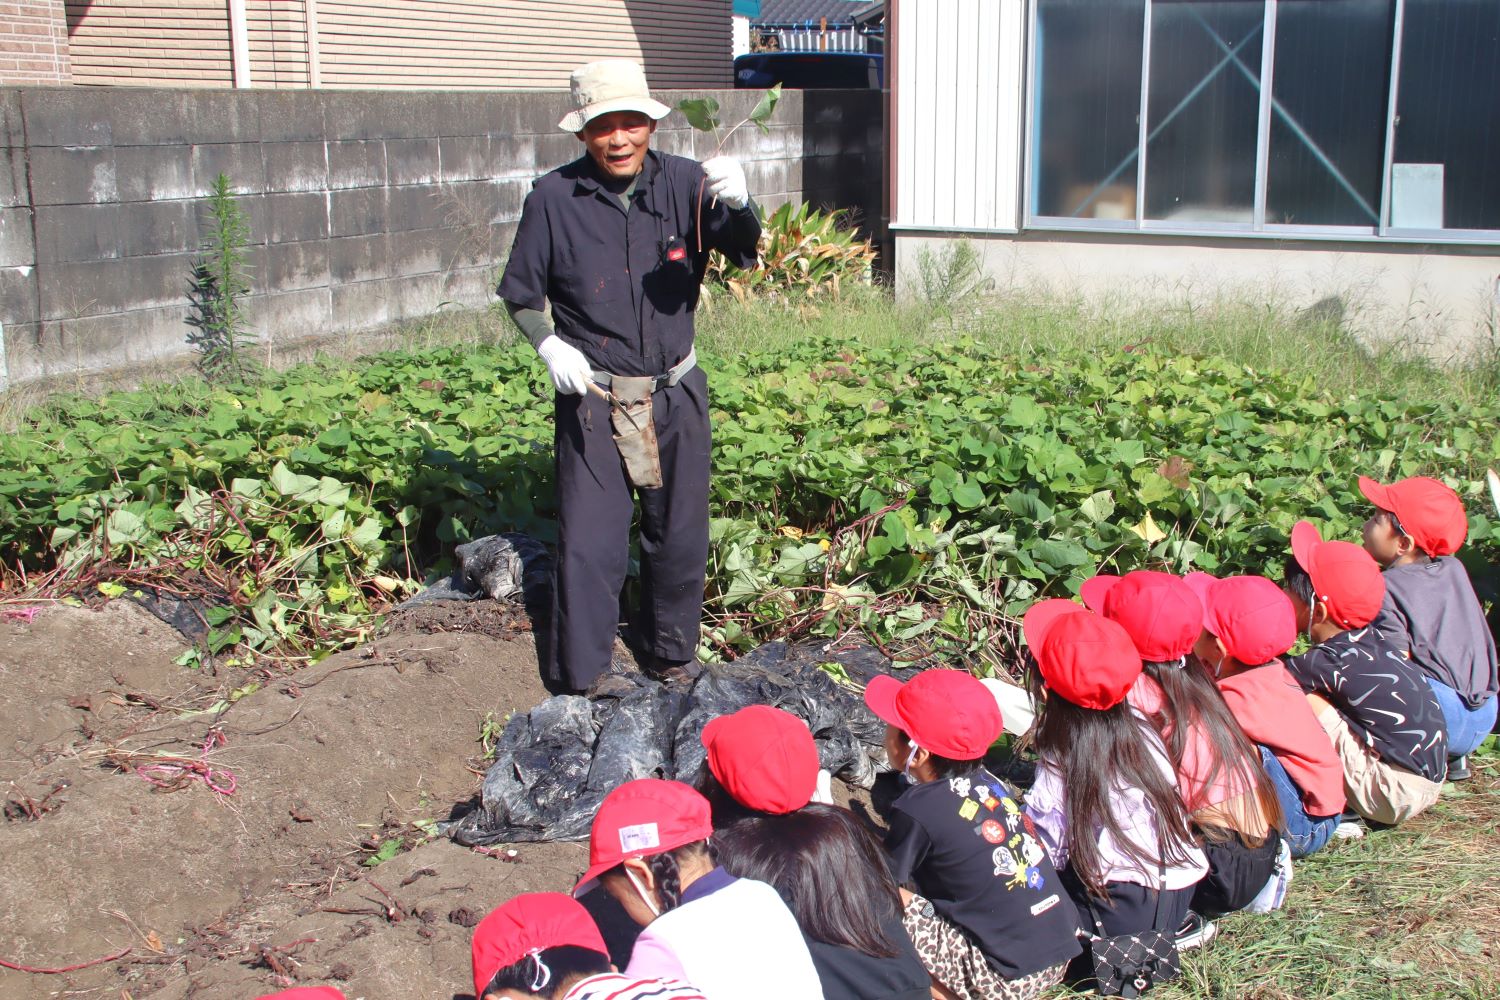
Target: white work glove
[726, 181]
[566, 364]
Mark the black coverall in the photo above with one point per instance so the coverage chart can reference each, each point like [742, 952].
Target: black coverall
[623, 286]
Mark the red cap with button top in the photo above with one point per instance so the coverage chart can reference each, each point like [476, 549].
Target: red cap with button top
[1345, 578]
[1162, 614]
[764, 757]
[524, 925]
[1088, 660]
[946, 712]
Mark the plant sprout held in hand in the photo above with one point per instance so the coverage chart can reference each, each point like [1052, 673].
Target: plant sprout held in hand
[703, 114]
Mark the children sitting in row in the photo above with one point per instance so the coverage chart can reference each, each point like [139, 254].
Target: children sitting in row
[1417, 526]
[1179, 747]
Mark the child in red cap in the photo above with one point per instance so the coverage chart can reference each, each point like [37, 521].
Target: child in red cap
[989, 916]
[1384, 721]
[1105, 801]
[545, 945]
[1418, 524]
[1247, 624]
[1231, 801]
[760, 775]
[731, 937]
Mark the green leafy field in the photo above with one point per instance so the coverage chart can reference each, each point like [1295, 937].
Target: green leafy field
[924, 494]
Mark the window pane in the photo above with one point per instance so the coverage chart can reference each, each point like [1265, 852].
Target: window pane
[1330, 90]
[1447, 156]
[1204, 108]
[1088, 102]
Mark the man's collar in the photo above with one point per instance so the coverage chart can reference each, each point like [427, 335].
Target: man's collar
[588, 173]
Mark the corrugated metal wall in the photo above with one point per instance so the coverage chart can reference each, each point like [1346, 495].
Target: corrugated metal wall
[165, 43]
[400, 44]
[959, 78]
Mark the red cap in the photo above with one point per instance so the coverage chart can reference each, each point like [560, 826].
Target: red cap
[530, 923]
[1345, 578]
[313, 993]
[1162, 614]
[1431, 513]
[641, 818]
[947, 712]
[764, 757]
[1249, 614]
[1084, 658]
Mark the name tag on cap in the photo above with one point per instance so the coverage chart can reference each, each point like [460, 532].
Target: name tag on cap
[641, 837]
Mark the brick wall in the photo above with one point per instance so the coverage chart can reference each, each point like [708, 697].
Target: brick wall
[365, 208]
[33, 43]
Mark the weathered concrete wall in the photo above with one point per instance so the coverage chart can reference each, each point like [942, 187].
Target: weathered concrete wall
[365, 208]
[1443, 300]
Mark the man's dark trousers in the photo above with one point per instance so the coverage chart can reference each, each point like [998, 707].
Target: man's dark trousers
[595, 505]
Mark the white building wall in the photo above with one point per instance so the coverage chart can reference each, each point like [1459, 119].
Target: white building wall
[959, 73]
[1443, 300]
[957, 69]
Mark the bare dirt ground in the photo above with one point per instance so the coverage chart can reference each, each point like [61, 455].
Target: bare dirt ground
[234, 895]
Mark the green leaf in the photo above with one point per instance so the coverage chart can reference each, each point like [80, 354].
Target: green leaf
[766, 106]
[1099, 507]
[701, 113]
[1059, 554]
[288, 483]
[968, 495]
[389, 848]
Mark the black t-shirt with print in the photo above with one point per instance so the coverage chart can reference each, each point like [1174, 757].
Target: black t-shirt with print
[964, 844]
[1367, 675]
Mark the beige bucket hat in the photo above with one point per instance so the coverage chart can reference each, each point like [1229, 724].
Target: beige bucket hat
[610, 85]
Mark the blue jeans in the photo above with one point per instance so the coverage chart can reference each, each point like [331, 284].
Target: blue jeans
[1467, 727]
[1304, 834]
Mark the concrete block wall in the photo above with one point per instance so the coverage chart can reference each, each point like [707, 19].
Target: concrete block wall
[365, 208]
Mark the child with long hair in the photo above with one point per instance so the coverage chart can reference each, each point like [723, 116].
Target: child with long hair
[1105, 801]
[1248, 624]
[987, 916]
[730, 937]
[1231, 800]
[759, 776]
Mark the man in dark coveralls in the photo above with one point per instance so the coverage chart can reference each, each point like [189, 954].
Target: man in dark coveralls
[613, 242]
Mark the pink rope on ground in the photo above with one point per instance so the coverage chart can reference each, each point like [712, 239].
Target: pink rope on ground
[219, 781]
[67, 968]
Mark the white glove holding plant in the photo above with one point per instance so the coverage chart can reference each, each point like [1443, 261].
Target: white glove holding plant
[566, 364]
[726, 181]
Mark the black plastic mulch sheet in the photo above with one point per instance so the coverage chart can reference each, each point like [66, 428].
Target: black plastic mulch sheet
[554, 764]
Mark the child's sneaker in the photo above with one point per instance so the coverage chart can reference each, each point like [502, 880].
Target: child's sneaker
[1350, 827]
[1458, 768]
[1274, 894]
[1195, 932]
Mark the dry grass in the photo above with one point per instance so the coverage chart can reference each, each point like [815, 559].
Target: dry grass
[1408, 912]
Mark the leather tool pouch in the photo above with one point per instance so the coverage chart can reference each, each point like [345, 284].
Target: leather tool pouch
[635, 430]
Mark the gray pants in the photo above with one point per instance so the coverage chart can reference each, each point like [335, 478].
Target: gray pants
[596, 504]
